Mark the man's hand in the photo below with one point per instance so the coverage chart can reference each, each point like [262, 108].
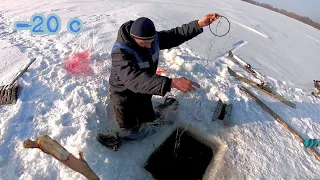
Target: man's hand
[184, 85]
[208, 19]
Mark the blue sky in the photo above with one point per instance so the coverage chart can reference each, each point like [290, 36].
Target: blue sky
[310, 8]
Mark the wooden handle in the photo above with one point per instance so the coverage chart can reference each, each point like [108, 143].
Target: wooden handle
[30, 144]
[21, 72]
[279, 119]
[52, 147]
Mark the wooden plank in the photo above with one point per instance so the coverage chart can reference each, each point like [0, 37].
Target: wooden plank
[279, 119]
[254, 84]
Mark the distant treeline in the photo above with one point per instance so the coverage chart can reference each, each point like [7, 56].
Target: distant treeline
[303, 19]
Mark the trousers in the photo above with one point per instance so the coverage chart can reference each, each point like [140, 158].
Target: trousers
[134, 111]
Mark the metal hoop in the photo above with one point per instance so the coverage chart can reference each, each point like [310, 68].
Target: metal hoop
[217, 26]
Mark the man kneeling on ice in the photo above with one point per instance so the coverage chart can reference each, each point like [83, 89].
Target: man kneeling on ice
[133, 78]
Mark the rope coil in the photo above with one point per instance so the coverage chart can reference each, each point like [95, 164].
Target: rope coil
[219, 23]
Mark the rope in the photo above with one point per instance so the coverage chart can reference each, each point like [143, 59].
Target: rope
[177, 142]
[220, 16]
[310, 143]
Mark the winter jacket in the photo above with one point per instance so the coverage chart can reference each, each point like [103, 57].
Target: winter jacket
[132, 84]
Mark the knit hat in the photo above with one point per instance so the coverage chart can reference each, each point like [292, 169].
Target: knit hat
[143, 28]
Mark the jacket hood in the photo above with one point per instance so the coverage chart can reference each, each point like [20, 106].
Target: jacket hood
[124, 34]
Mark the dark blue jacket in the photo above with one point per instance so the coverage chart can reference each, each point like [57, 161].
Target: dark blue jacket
[131, 82]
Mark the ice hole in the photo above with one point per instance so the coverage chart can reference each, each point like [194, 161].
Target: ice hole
[189, 160]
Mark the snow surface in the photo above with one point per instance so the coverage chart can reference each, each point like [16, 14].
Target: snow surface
[72, 109]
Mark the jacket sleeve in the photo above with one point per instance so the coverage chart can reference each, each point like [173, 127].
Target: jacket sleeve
[176, 36]
[138, 80]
